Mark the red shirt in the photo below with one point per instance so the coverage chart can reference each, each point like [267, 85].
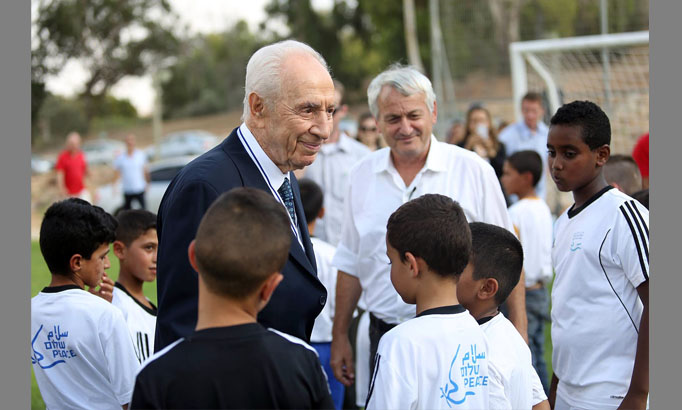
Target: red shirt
[74, 167]
[640, 153]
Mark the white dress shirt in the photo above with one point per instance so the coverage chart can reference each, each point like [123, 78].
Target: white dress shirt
[330, 171]
[272, 175]
[518, 137]
[376, 190]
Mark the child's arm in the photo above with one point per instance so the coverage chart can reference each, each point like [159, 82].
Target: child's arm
[552, 390]
[638, 392]
[543, 405]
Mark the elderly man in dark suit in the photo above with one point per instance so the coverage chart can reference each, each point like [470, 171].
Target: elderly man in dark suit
[288, 106]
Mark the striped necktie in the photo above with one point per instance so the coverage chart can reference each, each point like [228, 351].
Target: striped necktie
[288, 197]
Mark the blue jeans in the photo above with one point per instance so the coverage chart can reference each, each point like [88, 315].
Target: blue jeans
[537, 309]
[335, 386]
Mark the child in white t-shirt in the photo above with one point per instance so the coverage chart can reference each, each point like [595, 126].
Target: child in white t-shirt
[439, 359]
[532, 221]
[312, 200]
[135, 246]
[600, 295]
[81, 351]
[493, 271]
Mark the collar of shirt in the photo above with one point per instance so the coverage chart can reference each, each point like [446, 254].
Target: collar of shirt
[526, 132]
[272, 173]
[435, 160]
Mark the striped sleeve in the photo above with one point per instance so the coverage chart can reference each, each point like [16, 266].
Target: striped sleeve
[633, 241]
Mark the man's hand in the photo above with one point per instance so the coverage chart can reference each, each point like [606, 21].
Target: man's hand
[348, 291]
[105, 290]
[342, 360]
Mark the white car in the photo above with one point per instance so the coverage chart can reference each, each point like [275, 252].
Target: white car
[102, 151]
[189, 142]
[110, 196]
[40, 165]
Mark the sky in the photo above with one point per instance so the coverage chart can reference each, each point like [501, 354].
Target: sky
[202, 16]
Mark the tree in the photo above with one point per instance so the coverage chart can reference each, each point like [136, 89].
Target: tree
[111, 38]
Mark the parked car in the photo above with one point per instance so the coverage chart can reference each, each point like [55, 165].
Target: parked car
[189, 142]
[110, 196]
[102, 151]
[40, 165]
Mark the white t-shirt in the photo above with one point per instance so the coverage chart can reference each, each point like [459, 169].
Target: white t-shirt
[326, 273]
[438, 360]
[511, 366]
[140, 319]
[532, 221]
[131, 168]
[81, 351]
[601, 256]
[331, 171]
[376, 190]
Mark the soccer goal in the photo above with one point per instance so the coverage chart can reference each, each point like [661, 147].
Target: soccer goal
[611, 70]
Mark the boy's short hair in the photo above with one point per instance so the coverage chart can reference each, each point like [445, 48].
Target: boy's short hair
[243, 238]
[532, 96]
[527, 161]
[73, 226]
[593, 122]
[623, 170]
[497, 254]
[364, 116]
[133, 223]
[312, 198]
[434, 228]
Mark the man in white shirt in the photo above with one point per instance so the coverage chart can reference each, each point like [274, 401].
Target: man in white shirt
[403, 102]
[531, 133]
[131, 167]
[331, 170]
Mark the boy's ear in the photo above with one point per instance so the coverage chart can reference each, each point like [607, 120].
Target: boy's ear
[528, 177]
[321, 213]
[603, 154]
[268, 288]
[119, 249]
[75, 262]
[191, 253]
[414, 263]
[488, 289]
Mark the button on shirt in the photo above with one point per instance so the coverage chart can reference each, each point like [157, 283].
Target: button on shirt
[376, 190]
[330, 171]
[518, 137]
[271, 173]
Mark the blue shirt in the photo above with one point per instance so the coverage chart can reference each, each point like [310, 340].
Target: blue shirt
[518, 137]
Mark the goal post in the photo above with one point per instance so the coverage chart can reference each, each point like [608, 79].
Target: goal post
[611, 70]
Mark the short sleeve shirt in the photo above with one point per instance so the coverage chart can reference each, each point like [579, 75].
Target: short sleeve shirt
[81, 350]
[600, 255]
[73, 167]
[131, 168]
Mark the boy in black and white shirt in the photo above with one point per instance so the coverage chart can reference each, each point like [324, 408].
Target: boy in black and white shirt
[81, 351]
[232, 361]
[438, 360]
[135, 246]
[493, 271]
[600, 296]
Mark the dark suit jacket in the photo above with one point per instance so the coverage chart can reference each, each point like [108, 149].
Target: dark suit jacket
[297, 300]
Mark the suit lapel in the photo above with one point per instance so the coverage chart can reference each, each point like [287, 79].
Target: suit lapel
[251, 176]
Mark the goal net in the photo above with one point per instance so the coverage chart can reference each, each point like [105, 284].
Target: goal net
[611, 70]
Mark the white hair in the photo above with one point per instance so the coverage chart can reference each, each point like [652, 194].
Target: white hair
[406, 79]
[263, 71]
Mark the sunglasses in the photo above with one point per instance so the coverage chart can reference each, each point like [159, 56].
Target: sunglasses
[365, 129]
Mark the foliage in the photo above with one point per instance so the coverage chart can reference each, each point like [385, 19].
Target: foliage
[209, 77]
[112, 38]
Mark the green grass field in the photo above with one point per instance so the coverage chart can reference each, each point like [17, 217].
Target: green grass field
[40, 277]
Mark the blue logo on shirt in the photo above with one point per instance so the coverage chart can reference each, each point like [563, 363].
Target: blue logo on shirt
[54, 347]
[576, 242]
[470, 373]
